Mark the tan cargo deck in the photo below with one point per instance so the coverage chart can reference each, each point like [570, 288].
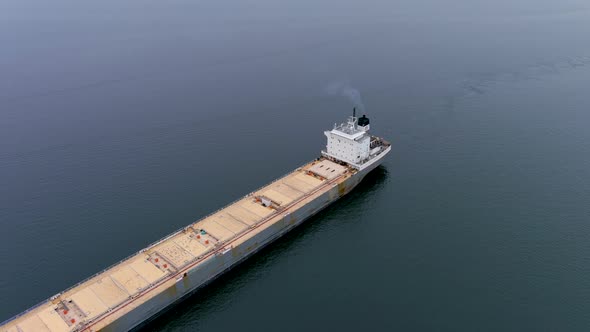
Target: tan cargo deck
[111, 293]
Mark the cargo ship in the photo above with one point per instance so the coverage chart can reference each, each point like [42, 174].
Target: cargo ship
[133, 291]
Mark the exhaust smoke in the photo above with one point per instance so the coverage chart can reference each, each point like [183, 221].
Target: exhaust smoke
[343, 88]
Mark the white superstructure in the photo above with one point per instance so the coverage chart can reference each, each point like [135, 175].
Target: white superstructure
[351, 143]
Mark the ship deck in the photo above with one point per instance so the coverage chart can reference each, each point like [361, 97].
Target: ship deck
[110, 294]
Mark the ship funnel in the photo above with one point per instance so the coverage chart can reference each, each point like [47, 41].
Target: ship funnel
[363, 122]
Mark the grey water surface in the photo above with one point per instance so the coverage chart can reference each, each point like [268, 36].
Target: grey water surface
[122, 121]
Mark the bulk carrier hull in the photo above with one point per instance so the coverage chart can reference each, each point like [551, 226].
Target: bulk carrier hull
[135, 290]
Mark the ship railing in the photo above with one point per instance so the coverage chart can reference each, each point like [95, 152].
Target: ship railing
[24, 312]
[153, 244]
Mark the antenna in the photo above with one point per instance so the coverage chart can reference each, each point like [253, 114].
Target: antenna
[354, 112]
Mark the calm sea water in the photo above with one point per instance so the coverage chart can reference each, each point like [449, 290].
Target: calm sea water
[122, 121]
